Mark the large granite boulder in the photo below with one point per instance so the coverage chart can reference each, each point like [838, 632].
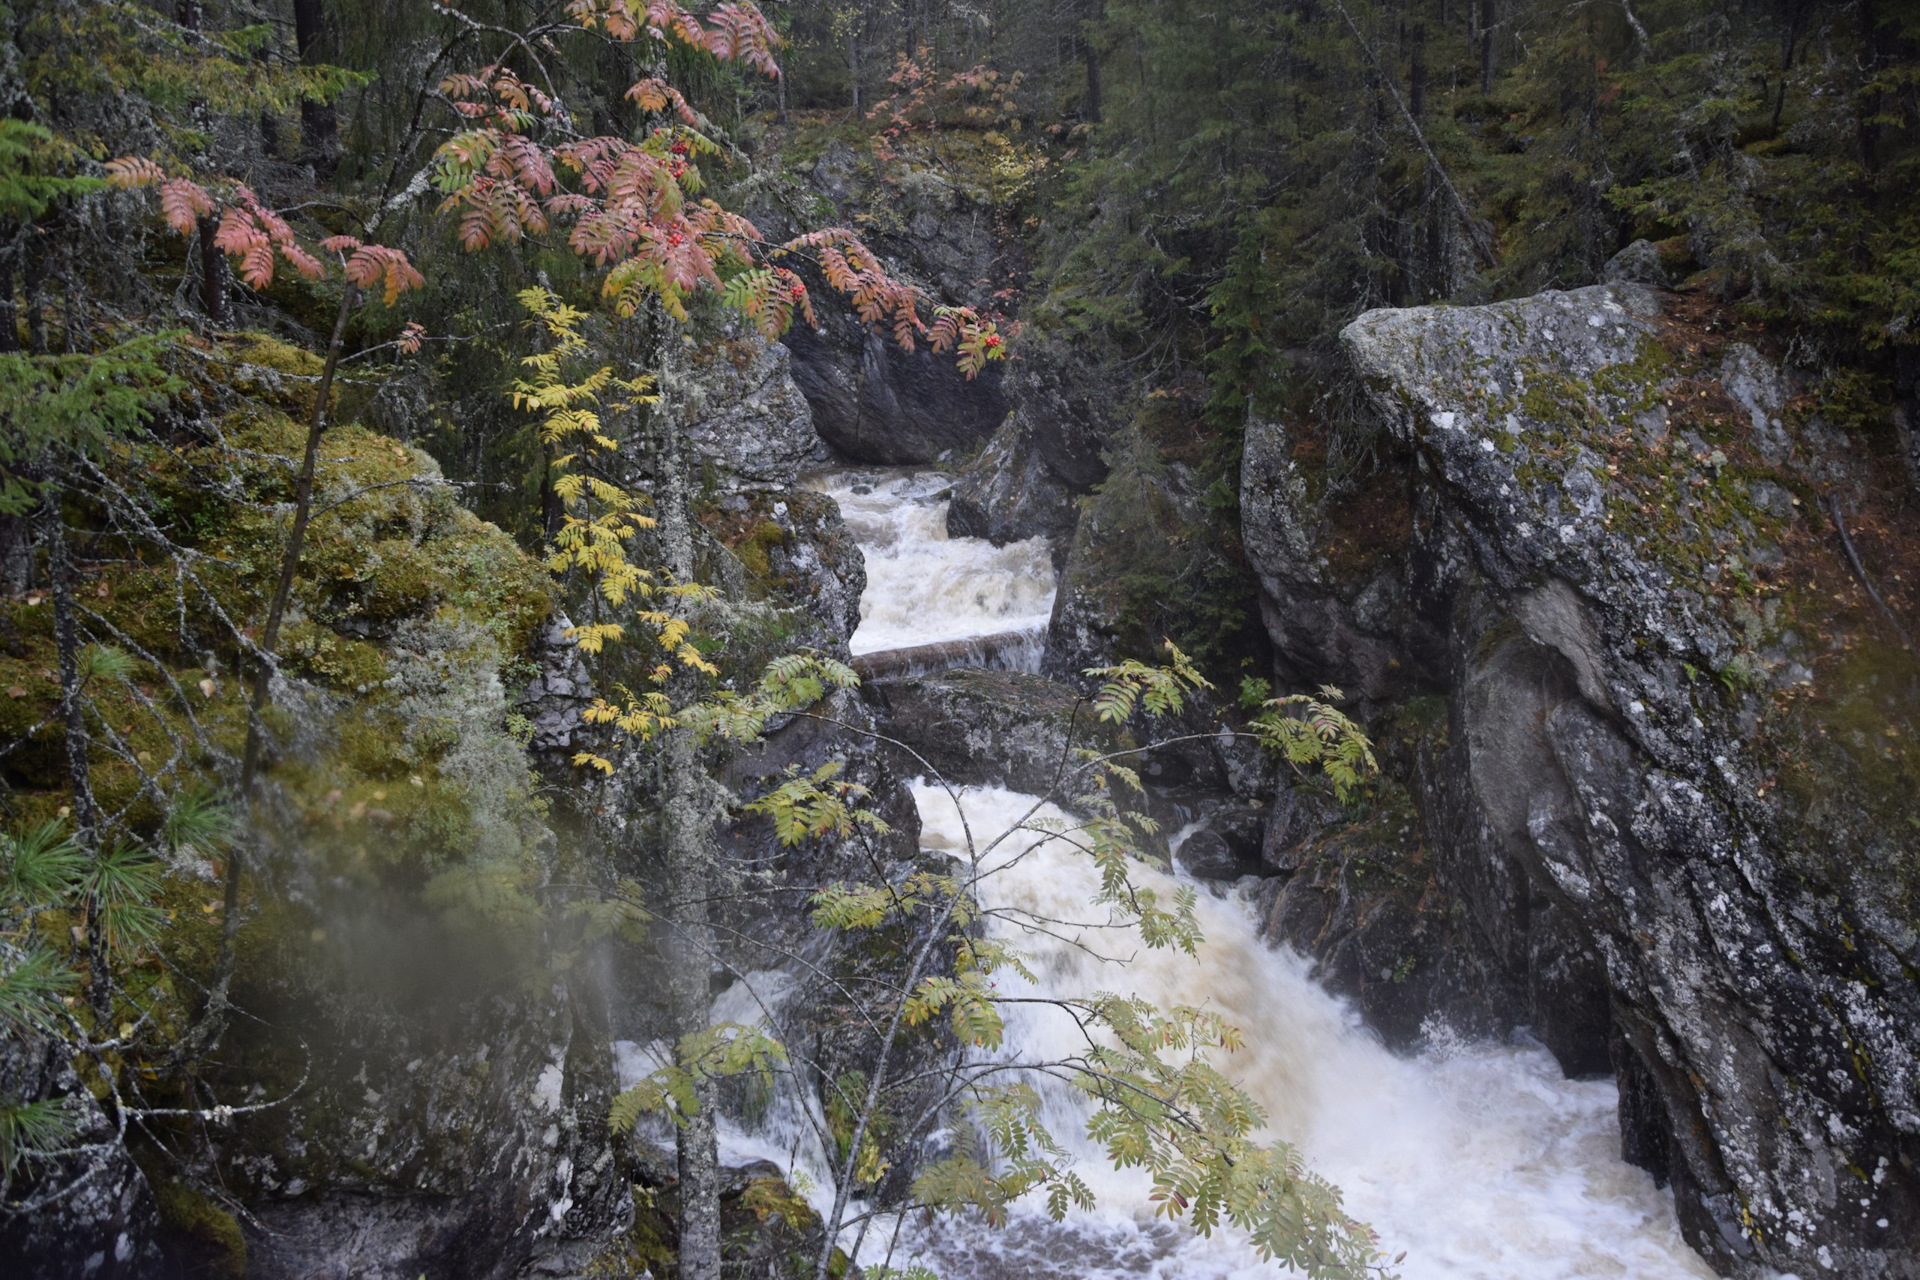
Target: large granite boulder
[1668, 786]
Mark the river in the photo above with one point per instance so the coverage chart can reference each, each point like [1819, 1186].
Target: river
[1475, 1159]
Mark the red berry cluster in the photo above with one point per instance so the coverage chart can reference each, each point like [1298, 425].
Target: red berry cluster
[797, 292]
[675, 239]
[993, 340]
[678, 148]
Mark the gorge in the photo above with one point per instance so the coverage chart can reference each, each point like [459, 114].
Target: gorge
[1053, 638]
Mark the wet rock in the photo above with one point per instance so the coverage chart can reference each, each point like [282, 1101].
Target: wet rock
[1004, 728]
[817, 566]
[1225, 845]
[1360, 900]
[1144, 530]
[1296, 816]
[1007, 493]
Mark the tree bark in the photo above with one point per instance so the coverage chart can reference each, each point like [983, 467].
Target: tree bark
[1489, 23]
[317, 121]
[35, 278]
[853, 62]
[1092, 109]
[9, 316]
[213, 274]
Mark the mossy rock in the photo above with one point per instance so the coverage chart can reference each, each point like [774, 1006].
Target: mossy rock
[207, 1233]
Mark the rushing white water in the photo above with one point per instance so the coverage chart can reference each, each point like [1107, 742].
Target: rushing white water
[924, 587]
[1478, 1161]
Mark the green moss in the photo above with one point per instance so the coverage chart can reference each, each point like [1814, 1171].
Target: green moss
[772, 1198]
[343, 662]
[755, 548]
[271, 353]
[645, 1248]
[214, 1233]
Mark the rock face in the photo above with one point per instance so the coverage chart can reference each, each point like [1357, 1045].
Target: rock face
[1649, 788]
[1051, 449]
[746, 416]
[442, 1137]
[1007, 493]
[96, 1218]
[872, 401]
[1004, 728]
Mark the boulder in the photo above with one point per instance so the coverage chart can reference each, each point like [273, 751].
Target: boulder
[746, 416]
[1004, 728]
[1668, 784]
[1006, 493]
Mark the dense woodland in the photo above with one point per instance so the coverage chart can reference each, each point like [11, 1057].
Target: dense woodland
[341, 350]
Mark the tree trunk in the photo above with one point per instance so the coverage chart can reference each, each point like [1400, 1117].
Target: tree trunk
[1417, 77]
[690, 856]
[1091, 108]
[9, 316]
[689, 879]
[66, 642]
[213, 274]
[853, 62]
[35, 278]
[317, 121]
[1488, 22]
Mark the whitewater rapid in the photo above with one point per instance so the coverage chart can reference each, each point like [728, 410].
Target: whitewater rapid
[1479, 1161]
[1476, 1160]
[924, 587]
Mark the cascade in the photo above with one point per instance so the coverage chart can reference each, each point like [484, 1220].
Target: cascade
[925, 589]
[1479, 1160]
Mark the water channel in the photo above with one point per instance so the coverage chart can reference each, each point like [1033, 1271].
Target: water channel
[1478, 1160]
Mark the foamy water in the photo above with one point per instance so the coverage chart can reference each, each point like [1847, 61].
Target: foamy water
[1482, 1161]
[924, 587]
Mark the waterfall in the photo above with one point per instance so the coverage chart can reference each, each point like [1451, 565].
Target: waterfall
[1479, 1160]
[924, 588]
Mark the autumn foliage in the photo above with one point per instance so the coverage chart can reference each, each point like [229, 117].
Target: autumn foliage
[256, 238]
[515, 169]
[634, 208]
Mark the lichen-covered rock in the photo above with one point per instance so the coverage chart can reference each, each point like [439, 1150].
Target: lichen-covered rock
[791, 547]
[1639, 263]
[746, 418]
[1659, 669]
[91, 1214]
[555, 701]
[436, 1133]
